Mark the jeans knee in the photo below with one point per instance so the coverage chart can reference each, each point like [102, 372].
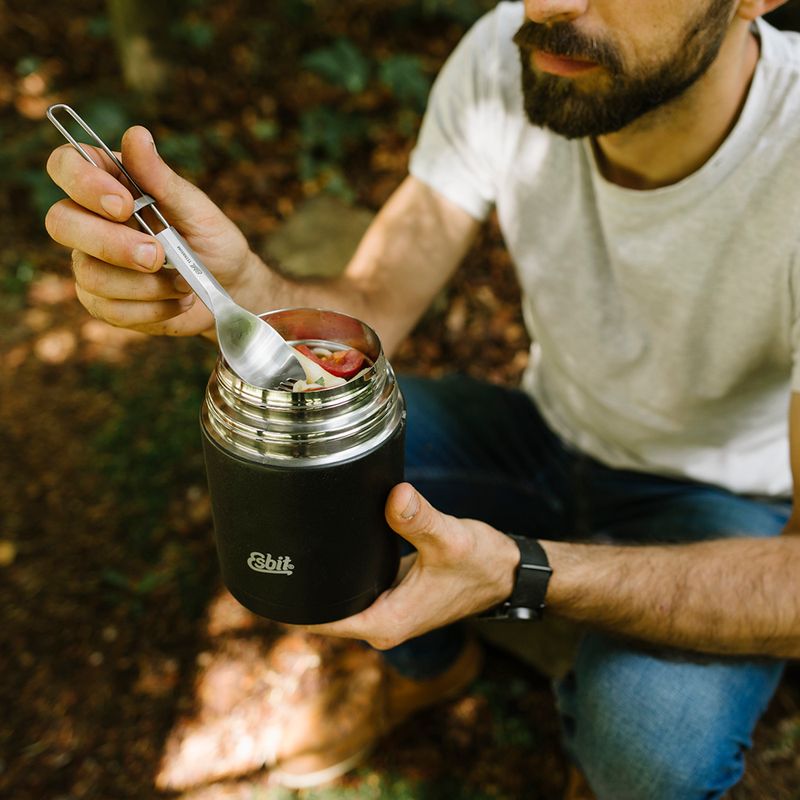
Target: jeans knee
[661, 728]
[620, 768]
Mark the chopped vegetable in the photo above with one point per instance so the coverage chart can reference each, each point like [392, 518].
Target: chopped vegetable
[342, 363]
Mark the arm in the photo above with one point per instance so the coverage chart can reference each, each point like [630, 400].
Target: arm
[409, 252]
[406, 256]
[738, 596]
[729, 596]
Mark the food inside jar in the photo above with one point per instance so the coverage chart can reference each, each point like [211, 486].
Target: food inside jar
[341, 362]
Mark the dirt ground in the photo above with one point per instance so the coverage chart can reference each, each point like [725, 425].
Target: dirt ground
[115, 628]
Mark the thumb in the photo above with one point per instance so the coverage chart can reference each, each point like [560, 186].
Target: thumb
[181, 202]
[414, 518]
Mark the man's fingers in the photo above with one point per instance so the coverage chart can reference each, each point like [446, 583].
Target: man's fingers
[97, 278]
[105, 191]
[92, 187]
[185, 206]
[413, 517]
[380, 625]
[131, 313]
[75, 227]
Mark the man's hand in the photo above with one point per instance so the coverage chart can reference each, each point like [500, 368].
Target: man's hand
[116, 265]
[461, 567]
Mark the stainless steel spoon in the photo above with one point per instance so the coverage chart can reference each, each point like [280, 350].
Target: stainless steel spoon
[255, 351]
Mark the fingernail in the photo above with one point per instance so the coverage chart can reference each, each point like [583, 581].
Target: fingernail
[181, 284]
[155, 149]
[187, 302]
[145, 255]
[412, 507]
[112, 204]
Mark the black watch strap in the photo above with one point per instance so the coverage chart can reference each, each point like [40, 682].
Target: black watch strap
[530, 583]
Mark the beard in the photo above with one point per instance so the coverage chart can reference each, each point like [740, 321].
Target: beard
[560, 104]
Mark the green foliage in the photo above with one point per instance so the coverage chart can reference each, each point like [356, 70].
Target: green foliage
[294, 12]
[787, 744]
[107, 116]
[22, 168]
[197, 33]
[25, 148]
[141, 587]
[405, 77]
[329, 131]
[230, 147]
[342, 64]
[15, 278]
[383, 786]
[147, 453]
[463, 11]
[184, 151]
[42, 192]
[326, 135]
[151, 441]
[337, 185]
[19, 279]
[265, 130]
[189, 152]
[99, 27]
[27, 65]
[134, 592]
[509, 729]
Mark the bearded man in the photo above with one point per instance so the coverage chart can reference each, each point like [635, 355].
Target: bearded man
[644, 162]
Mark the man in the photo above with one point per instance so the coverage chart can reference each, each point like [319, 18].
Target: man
[644, 161]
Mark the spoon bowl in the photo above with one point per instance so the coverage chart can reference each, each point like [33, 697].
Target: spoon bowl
[248, 345]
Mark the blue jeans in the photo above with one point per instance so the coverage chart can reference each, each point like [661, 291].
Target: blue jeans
[641, 724]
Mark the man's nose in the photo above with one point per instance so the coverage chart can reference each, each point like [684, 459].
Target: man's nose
[547, 12]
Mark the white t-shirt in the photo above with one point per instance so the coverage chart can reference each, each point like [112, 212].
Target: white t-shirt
[666, 322]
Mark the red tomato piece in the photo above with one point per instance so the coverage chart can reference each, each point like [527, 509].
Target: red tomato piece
[341, 363]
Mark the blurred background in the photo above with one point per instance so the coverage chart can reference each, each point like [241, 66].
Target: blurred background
[116, 637]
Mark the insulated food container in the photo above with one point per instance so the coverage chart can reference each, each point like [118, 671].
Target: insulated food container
[299, 480]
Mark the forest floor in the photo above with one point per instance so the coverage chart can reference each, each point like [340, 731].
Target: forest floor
[114, 616]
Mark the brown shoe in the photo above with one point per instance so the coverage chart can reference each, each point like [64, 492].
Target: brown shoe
[309, 708]
[577, 787]
[250, 691]
[345, 734]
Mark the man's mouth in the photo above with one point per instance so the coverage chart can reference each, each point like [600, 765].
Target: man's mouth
[561, 65]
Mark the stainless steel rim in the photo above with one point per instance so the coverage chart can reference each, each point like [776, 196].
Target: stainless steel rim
[302, 429]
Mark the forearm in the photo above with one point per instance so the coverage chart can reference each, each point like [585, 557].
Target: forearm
[268, 289]
[263, 288]
[406, 256]
[727, 596]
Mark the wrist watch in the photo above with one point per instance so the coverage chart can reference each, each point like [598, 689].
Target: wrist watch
[530, 584]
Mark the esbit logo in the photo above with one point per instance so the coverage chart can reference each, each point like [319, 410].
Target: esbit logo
[274, 566]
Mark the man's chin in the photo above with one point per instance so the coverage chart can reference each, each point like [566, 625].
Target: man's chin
[575, 126]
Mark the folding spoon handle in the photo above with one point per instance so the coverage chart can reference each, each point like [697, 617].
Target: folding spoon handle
[178, 252]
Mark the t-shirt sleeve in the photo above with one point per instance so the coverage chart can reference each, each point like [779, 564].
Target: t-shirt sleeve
[459, 135]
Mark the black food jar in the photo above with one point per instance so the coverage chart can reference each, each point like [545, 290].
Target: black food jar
[299, 480]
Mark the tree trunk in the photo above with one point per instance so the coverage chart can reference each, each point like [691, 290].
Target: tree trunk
[143, 72]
